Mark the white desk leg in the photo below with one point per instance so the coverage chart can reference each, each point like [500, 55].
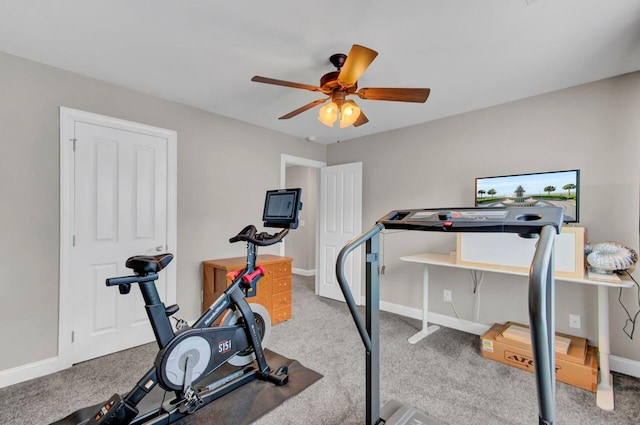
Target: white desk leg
[604, 396]
[426, 329]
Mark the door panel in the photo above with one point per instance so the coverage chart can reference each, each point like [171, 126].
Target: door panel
[340, 221]
[120, 211]
[103, 301]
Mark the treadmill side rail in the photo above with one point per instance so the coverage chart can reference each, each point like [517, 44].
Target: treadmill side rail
[542, 324]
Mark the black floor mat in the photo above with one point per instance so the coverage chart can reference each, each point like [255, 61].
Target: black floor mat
[249, 402]
[242, 406]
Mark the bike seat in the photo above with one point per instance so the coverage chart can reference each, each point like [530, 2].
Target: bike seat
[145, 264]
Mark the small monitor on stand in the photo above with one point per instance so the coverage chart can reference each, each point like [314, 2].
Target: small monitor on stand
[281, 208]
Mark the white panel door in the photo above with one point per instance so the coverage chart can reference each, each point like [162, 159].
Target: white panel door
[340, 221]
[120, 211]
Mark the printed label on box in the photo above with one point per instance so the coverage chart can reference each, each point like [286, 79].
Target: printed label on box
[487, 345]
[522, 360]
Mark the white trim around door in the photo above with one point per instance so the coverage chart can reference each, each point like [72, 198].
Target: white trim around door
[290, 160]
[68, 118]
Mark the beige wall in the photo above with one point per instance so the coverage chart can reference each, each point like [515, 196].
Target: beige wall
[301, 243]
[224, 168]
[593, 127]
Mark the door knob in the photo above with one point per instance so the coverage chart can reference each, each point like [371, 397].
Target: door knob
[159, 248]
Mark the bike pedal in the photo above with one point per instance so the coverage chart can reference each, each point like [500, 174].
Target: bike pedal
[171, 310]
[280, 377]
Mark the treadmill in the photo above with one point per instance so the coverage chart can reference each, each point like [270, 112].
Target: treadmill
[528, 222]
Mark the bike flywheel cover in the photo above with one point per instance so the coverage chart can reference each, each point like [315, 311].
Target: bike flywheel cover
[197, 349]
[263, 320]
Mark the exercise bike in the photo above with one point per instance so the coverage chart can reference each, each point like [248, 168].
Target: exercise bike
[230, 331]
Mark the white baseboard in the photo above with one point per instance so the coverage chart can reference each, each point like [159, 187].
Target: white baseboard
[29, 371]
[37, 369]
[44, 367]
[625, 366]
[303, 272]
[617, 364]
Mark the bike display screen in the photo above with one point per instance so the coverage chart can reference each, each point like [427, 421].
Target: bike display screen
[281, 208]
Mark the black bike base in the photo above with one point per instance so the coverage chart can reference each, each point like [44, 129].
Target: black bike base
[230, 409]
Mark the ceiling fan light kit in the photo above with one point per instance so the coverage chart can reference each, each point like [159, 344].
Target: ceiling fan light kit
[349, 113]
[328, 114]
[344, 82]
[345, 111]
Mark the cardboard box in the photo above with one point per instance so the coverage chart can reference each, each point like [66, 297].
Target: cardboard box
[583, 376]
[576, 351]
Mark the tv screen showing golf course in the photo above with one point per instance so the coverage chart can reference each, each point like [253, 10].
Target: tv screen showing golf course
[553, 188]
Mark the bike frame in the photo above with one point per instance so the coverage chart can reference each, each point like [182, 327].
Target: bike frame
[233, 297]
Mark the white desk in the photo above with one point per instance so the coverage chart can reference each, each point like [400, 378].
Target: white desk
[604, 395]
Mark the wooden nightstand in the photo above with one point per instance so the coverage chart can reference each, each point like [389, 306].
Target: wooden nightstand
[274, 288]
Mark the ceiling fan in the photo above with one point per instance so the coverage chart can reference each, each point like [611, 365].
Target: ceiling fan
[337, 85]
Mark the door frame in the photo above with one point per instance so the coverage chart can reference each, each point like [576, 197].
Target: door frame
[286, 160]
[68, 117]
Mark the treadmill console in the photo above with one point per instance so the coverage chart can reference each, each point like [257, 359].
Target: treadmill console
[525, 221]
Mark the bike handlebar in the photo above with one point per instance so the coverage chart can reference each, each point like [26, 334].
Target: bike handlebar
[248, 234]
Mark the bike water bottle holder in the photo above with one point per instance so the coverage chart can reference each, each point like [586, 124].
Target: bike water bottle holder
[249, 281]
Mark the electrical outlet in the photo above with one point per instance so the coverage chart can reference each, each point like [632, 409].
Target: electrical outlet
[574, 321]
[447, 295]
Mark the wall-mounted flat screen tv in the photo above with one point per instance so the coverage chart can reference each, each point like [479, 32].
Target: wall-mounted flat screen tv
[553, 188]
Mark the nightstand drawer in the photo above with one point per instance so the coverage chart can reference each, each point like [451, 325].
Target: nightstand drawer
[281, 314]
[281, 284]
[281, 299]
[282, 269]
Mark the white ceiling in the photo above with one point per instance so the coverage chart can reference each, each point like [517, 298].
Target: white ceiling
[471, 53]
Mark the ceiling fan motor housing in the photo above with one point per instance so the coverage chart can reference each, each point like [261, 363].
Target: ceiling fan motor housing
[338, 60]
[329, 83]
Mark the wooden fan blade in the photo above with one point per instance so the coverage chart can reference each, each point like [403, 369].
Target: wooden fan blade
[303, 108]
[358, 60]
[259, 79]
[395, 94]
[362, 119]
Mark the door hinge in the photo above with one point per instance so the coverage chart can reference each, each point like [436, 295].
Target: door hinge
[74, 143]
[73, 242]
[73, 334]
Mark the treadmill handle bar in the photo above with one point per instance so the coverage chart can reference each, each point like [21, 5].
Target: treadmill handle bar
[344, 285]
[542, 320]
